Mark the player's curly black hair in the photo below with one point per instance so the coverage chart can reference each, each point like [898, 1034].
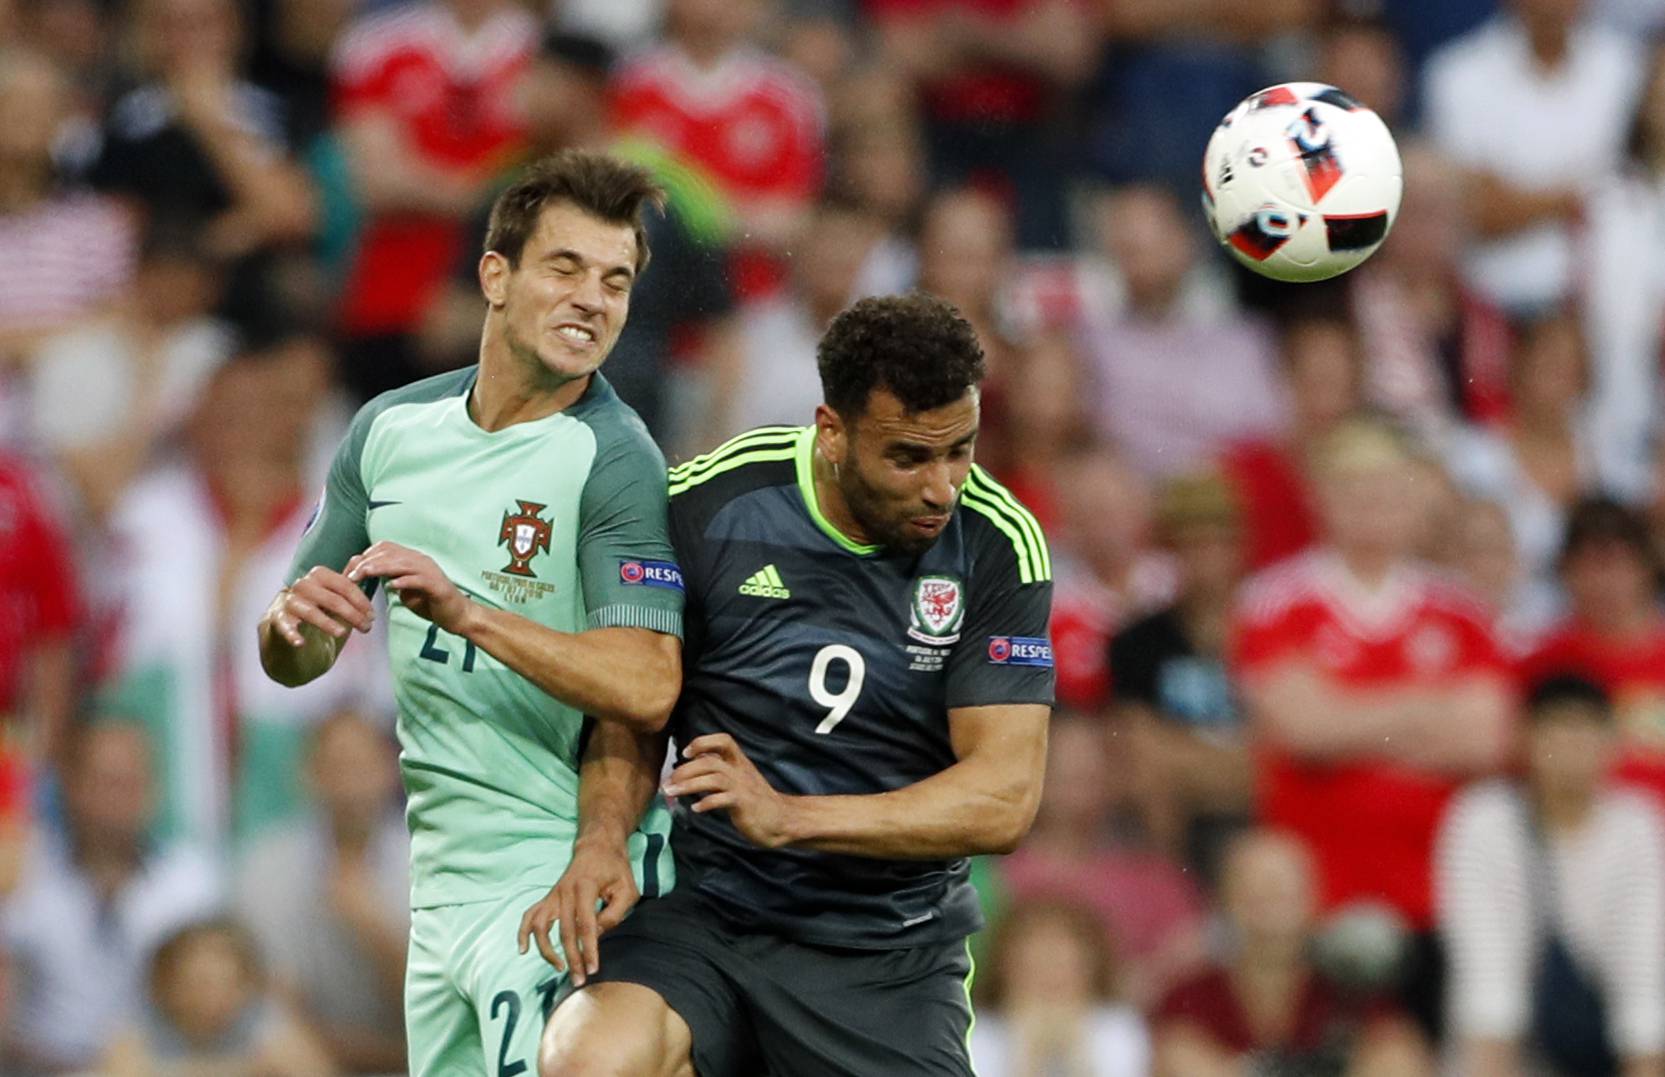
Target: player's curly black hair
[917, 346]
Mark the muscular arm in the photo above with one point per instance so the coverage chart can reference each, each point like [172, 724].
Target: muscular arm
[1459, 726]
[616, 780]
[984, 803]
[625, 675]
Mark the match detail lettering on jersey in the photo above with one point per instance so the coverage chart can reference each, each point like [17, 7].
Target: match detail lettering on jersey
[651, 574]
[1020, 651]
[765, 583]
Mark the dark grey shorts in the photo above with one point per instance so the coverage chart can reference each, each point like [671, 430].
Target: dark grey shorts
[761, 1004]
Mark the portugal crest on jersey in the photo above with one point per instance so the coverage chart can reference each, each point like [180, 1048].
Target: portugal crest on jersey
[526, 535]
[937, 610]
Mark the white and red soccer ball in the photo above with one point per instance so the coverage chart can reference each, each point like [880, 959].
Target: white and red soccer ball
[1301, 182]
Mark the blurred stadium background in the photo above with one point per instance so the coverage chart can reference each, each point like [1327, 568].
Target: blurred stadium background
[225, 223]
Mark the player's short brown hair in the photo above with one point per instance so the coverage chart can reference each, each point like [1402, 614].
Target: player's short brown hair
[600, 185]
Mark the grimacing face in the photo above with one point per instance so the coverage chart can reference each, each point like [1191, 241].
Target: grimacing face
[565, 304]
[900, 473]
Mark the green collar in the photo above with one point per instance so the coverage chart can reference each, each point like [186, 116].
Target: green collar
[806, 486]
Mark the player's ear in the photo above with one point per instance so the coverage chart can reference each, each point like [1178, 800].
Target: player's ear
[831, 434]
[494, 273]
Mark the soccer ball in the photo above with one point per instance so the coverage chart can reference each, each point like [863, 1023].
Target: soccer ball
[1301, 182]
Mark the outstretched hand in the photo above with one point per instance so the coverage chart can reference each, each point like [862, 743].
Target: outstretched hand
[422, 587]
[719, 773]
[599, 871]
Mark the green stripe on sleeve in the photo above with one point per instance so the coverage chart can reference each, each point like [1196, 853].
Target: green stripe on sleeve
[973, 500]
[740, 459]
[648, 617]
[1034, 538]
[762, 436]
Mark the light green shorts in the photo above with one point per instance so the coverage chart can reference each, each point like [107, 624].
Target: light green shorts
[474, 1004]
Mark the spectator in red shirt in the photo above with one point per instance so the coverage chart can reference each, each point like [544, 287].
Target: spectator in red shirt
[1615, 633]
[1374, 687]
[1266, 1009]
[1107, 572]
[39, 610]
[425, 110]
[753, 123]
[1272, 476]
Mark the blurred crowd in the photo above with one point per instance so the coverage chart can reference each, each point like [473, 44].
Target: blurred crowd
[1360, 748]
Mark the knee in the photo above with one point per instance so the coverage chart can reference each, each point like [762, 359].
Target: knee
[574, 1046]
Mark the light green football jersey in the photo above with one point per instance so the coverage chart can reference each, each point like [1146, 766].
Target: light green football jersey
[562, 521]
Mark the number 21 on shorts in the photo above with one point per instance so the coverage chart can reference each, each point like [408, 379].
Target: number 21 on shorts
[838, 703]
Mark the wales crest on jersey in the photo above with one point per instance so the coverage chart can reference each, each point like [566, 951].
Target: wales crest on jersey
[526, 535]
[937, 609]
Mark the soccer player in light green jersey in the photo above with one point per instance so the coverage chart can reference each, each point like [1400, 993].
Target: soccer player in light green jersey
[516, 511]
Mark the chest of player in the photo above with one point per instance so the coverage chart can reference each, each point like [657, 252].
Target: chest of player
[834, 638]
[498, 512]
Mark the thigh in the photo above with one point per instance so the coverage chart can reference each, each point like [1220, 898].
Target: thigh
[441, 1032]
[852, 1013]
[511, 994]
[678, 949]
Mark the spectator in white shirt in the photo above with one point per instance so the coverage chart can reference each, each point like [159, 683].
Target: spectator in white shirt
[1556, 877]
[1536, 104]
[94, 900]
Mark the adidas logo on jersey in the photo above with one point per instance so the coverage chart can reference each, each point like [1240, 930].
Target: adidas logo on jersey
[765, 583]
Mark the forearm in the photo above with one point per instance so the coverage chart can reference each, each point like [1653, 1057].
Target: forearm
[389, 179]
[623, 675]
[269, 196]
[1501, 208]
[616, 781]
[975, 806]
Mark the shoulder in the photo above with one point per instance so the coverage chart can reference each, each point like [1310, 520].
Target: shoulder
[1451, 599]
[996, 520]
[1486, 811]
[1275, 593]
[452, 383]
[786, 85]
[618, 430]
[374, 39]
[766, 456]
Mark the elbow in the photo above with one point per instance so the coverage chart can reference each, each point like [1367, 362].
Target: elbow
[650, 706]
[1010, 825]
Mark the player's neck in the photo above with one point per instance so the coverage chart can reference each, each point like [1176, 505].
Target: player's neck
[507, 391]
[830, 499]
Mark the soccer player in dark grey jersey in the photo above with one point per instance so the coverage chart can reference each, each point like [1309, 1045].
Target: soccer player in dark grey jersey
[867, 687]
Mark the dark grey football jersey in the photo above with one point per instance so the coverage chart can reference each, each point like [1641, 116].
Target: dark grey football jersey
[835, 666]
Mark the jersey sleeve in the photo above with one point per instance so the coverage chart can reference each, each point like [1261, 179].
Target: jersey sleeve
[338, 529]
[1004, 655]
[625, 563]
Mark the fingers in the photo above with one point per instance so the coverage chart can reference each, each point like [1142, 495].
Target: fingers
[700, 785]
[342, 609]
[341, 584]
[588, 934]
[534, 927]
[691, 770]
[620, 900]
[569, 932]
[726, 798]
[712, 744]
[297, 611]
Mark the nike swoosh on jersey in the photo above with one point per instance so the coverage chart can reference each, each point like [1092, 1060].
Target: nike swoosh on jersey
[374, 505]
